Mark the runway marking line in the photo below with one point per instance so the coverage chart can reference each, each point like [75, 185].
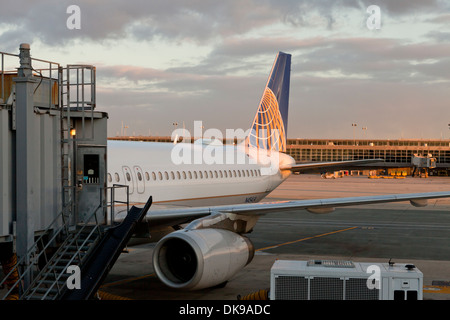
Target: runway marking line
[304, 239]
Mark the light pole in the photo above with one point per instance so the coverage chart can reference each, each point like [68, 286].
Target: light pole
[354, 125]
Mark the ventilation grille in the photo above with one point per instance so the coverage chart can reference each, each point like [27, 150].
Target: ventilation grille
[331, 263]
[326, 289]
[356, 289]
[323, 288]
[291, 288]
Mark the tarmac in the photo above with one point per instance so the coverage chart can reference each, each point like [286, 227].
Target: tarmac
[395, 232]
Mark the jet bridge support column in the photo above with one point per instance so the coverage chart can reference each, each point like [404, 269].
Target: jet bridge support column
[25, 144]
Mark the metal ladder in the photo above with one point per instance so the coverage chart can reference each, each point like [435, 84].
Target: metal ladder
[77, 93]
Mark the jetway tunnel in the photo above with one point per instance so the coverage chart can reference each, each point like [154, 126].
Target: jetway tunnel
[53, 161]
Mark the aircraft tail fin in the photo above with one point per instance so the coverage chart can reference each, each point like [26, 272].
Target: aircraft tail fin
[269, 128]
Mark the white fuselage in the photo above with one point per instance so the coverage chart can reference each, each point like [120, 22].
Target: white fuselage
[192, 174]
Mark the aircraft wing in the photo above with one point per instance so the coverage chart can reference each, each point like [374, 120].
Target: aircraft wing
[174, 216]
[337, 165]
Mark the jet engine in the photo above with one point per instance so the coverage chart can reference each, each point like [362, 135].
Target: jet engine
[200, 258]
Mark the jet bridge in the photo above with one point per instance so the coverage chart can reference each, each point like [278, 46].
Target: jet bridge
[422, 164]
[52, 165]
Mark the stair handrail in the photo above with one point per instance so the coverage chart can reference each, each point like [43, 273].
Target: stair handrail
[57, 277]
[56, 232]
[32, 250]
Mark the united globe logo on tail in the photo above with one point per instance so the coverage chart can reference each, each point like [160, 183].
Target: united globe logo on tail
[268, 129]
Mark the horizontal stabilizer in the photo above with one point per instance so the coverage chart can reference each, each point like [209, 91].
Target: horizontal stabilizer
[336, 165]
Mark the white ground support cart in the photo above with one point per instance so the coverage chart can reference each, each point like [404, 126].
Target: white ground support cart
[344, 280]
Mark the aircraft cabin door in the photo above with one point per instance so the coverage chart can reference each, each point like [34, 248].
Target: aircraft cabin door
[91, 182]
[140, 181]
[128, 176]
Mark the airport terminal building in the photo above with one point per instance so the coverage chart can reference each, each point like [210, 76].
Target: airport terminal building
[396, 153]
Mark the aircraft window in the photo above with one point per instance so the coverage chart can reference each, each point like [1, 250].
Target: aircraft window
[128, 176]
[109, 177]
[173, 175]
[195, 174]
[166, 175]
[139, 175]
[178, 175]
[160, 175]
[116, 175]
[154, 176]
[147, 176]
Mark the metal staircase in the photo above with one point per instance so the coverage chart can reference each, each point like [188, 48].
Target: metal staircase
[93, 247]
[52, 280]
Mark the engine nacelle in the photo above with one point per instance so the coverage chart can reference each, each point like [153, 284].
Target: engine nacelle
[202, 258]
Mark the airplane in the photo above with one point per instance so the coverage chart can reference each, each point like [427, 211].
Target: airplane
[201, 212]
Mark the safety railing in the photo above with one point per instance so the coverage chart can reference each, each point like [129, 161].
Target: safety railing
[46, 71]
[114, 202]
[59, 229]
[94, 233]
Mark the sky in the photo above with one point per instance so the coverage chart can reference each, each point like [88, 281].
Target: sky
[162, 64]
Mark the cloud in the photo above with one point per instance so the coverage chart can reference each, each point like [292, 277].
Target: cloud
[178, 20]
[100, 20]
